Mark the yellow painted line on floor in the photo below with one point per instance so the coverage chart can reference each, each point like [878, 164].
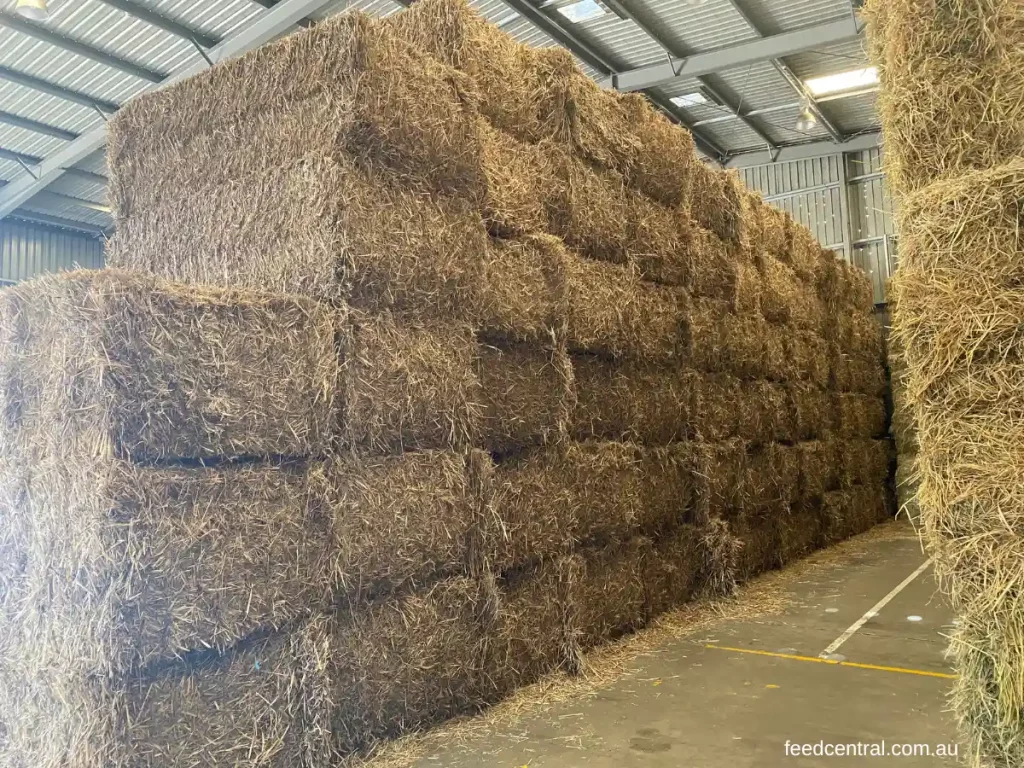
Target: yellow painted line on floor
[834, 663]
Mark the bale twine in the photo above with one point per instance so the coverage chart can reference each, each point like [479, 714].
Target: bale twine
[358, 88]
[932, 55]
[429, 645]
[528, 395]
[118, 364]
[629, 401]
[409, 386]
[578, 192]
[318, 227]
[548, 500]
[613, 313]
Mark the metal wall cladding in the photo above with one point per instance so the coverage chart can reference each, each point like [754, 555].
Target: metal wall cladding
[27, 250]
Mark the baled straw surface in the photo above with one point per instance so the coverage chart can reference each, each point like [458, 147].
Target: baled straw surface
[613, 313]
[775, 230]
[715, 202]
[772, 479]
[807, 357]
[866, 462]
[752, 248]
[663, 165]
[407, 662]
[761, 540]
[764, 413]
[952, 97]
[710, 269]
[777, 365]
[629, 401]
[712, 409]
[131, 565]
[112, 363]
[527, 394]
[264, 706]
[805, 254]
[659, 242]
[524, 289]
[673, 569]
[815, 411]
[234, 119]
[666, 489]
[800, 532]
[552, 498]
[589, 208]
[720, 553]
[860, 415]
[718, 471]
[745, 295]
[787, 298]
[317, 227]
[720, 341]
[532, 633]
[854, 510]
[820, 465]
[401, 520]
[856, 374]
[609, 598]
[409, 386]
[520, 183]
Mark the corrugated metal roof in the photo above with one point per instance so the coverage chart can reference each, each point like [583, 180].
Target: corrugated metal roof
[678, 27]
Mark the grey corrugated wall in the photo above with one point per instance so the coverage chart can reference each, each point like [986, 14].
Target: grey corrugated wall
[843, 200]
[27, 250]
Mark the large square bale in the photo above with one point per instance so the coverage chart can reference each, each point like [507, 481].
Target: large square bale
[349, 85]
[808, 356]
[660, 241]
[714, 405]
[521, 183]
[673, 569]
[815, 411]
[110, 363]
[715, 201]
[667, 490]
[409, 386]
[860, 415]
[718, 471]
[318, 227]
[608, 598]
[820, 467]
[527, 395]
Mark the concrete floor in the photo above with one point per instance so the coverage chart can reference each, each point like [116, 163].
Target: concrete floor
[691, 705]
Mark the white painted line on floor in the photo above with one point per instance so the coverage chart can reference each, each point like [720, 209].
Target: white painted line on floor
[874, 610]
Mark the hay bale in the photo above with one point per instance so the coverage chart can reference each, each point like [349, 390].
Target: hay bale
[715, 201]
[752, 247]
[317, 227]
[720, 552]
[666, 489]
[820, 465]
[523, 296]
[772, 479]
[908, 482]
[663, 165]
[805, 254]
[713, 407]
[608, 598]
[673, 569]
[765, 414]
[409, 386]
[520, 183]
[612, 312]
[264, 705]
[364, 84]
[711, 270]
[532, 634]
[401, 520]
[800, 533]
[775, 230]
[866, 462]
[660, 242]
[760, 540]
[808, 357]
[854, 510]
[578, 192]
[407, 662]
[952, 93]
[815, 411]
[130, 565]
[528, 395]
[110, 363]
[777, 365]
[629, 401]
[718, 471]
[860, 415]
[856, 374]
[502, 69]
[720, 341]
[550, 499]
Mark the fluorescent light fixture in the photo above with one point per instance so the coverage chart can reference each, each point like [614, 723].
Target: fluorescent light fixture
[584, 10]
[844, 81]
[689, 99]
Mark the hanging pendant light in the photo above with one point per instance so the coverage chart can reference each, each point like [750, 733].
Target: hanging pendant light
[807, 120]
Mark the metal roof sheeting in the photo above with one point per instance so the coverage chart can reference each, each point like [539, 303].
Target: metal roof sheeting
[682, 28]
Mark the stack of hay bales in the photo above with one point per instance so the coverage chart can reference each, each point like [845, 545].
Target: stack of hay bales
[387, 393]
[953, 115]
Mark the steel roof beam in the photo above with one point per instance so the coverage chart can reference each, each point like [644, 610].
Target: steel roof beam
[57, 221]
[58, 91]
[307, 23]
[61, 199]
[162, 22]
[36, 127]
[40, 32]
[268, 26]
[709, 62]
[806, 150]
